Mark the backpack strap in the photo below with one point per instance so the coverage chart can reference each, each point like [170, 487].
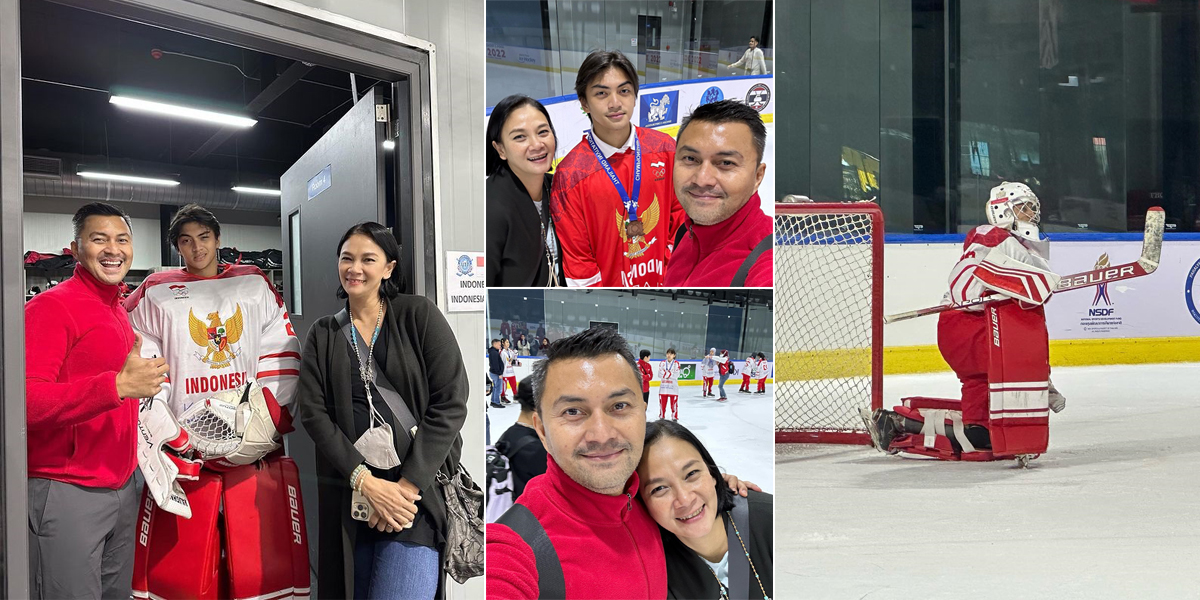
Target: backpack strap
[739, 280]
[511, 450]
[551, 584]
[679, 233]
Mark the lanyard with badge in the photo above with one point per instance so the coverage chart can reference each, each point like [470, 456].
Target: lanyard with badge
[633, 226]
[377, 444]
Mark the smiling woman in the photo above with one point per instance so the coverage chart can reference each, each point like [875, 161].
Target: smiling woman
[717, 544]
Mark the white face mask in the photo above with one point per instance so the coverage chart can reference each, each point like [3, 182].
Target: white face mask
[378, 446]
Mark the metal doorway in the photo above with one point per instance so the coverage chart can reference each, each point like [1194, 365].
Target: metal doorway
[405, 201]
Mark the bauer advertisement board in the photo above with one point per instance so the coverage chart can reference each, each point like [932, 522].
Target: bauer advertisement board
[1162, 304]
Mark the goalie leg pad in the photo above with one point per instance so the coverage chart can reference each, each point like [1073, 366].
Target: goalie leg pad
[176, 557]
[266, 544]
[1018, 380]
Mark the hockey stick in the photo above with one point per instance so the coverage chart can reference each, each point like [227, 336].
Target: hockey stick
[1145, 265]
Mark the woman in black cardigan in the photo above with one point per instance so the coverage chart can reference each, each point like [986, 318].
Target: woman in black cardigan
[522, 248]
[396, 554]
[717, 544]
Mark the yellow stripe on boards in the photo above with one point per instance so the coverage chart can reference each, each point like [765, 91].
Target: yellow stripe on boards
[903, 360]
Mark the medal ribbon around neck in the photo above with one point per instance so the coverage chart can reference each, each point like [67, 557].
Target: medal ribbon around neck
[631, 204]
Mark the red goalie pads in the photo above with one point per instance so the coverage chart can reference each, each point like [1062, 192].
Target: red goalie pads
[1018, 380]
[255, 513]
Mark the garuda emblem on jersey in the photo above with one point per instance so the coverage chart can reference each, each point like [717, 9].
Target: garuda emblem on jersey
[638, 244]
[217, 337]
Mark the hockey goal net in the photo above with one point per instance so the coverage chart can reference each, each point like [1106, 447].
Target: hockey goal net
[828, 320]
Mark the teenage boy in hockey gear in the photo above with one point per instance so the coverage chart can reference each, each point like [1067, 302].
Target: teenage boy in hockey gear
[83, 375]
[668, 386]
[761, 369]
[234, 368]
[718, 168]
[647, 374]
[510, 372]
[612, 201]
[708, 368]
[747, 371]
[998, 350]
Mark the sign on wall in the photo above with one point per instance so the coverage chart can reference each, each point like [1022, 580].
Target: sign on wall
[466, 287]
[1156, 305]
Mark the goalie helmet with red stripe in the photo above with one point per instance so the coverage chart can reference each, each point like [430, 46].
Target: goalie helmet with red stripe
[1013, 206]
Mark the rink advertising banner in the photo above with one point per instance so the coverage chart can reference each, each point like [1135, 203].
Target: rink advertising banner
[1162, 304]
[663, 106]
[688, 375]
[466, 288]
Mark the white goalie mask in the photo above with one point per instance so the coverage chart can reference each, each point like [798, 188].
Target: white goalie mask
[1013, 206]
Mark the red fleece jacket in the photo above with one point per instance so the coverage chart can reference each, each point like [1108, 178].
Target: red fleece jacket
[710, 255]
[77, 336]
[609, 546]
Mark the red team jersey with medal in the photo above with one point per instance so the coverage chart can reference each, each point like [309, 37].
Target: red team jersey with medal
[216, 333]
[590, 216]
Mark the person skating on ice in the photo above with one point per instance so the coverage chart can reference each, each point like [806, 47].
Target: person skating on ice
[668, 387]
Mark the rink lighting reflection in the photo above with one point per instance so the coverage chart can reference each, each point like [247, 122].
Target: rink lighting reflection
[183, 112]
[389, 144]
[126, 178]
[258, 191]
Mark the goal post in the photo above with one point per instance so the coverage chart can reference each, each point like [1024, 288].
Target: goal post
[828, 320]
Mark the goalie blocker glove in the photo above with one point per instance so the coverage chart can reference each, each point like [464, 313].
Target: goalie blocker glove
[160, 442]
[233, 428]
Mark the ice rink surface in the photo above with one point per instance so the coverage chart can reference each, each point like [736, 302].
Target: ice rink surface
[1112, 510]
[739, 433]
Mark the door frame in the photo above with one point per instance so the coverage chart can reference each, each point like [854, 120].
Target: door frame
[281, 27]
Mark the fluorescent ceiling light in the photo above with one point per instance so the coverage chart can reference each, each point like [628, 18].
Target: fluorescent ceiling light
[260, 191]
[183, 112]
[127, 178]
[389, 144]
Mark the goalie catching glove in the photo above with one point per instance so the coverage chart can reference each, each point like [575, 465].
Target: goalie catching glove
[163, 466]
[233, 428]
[1010, 277]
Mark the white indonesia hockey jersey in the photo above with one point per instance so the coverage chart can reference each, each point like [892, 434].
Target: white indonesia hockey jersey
[668, 375]
[510, 360]
[748, 366]
[709, 366]
[762, 369]
[981, 242]
[216, 333]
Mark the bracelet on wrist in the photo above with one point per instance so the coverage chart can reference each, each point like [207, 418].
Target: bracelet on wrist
[357, 476]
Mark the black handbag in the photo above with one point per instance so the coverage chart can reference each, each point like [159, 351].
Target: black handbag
[463, 558]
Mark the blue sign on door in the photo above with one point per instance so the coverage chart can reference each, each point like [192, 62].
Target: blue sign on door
[320, 182]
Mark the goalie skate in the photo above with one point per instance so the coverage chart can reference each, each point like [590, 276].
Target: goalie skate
[881, 427]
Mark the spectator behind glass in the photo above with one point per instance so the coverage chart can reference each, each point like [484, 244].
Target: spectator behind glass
[520, 443]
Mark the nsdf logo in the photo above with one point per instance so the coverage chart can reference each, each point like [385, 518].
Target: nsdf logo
[1190, 291]
[660, 108]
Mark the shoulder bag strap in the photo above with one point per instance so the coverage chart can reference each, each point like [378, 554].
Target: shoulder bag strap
[551, 584]
[739, 280]
[739, 565]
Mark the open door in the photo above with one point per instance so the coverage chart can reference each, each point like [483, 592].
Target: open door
[340, 181]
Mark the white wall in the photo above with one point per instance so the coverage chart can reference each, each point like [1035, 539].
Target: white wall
[456, 28]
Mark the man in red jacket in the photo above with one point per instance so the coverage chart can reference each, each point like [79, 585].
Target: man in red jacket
[613, 204]
[83, 370]
[718, 168]
[589, 418]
